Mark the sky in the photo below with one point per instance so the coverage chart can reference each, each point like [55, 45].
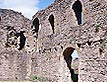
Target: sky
[27, 7]
[74, 55]
[44, 3]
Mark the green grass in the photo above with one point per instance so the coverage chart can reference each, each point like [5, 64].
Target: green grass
[41, 79]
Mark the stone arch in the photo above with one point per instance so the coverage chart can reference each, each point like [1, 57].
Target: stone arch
[77, 7]
[67, 53]
[51, 20]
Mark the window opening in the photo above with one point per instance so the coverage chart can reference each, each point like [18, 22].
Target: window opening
[77, 7]
[36, 24]
[51, 20]
[22, 40]
[0, 18]
[36, 27]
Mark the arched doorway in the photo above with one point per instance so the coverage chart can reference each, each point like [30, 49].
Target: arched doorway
[70, 55]
[77, 7]
[51, 20]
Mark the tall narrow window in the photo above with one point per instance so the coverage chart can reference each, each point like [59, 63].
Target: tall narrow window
[22, 40]
[70, 55]
[0, 18]
[77, 7]
[36, 24]
[51, 20]
[36, 27]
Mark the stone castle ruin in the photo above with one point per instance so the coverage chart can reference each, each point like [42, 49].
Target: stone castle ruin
[43, 47]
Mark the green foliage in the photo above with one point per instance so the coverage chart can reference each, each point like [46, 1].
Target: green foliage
[97, 28]
[38, 78]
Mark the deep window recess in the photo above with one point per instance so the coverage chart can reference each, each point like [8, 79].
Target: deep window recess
[36, 24]
[22, 40]
[77, 7]
[36, 27]
[91, 0]
[51, 20]
[70, 55]
[0, 18]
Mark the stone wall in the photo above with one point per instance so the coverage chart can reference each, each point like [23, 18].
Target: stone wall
[14, 56]
[89, 39]
[42, 48]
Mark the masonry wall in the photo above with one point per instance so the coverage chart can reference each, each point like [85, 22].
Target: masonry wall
[27, 51]
[14, 63]
[89, 39]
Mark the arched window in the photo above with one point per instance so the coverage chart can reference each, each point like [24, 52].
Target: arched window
[22, 40]
[35, 27]
[70, 55]
[77, 7]
[51, 20]
[36, 24]
[0, 18]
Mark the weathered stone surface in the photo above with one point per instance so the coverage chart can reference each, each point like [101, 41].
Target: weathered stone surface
[42, 52]
[13, 61]
[89, 39]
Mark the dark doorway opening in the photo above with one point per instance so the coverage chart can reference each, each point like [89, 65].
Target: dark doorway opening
[77, 7]
[51, 20]
[68, 58]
